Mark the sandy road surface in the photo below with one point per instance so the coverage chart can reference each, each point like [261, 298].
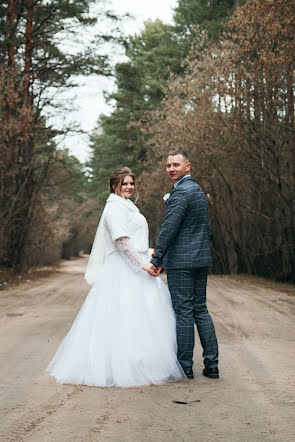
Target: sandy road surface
[252, 401]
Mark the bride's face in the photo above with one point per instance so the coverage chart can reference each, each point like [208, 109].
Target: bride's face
[128, 187]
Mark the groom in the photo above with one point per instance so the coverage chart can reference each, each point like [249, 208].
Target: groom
[183, 248]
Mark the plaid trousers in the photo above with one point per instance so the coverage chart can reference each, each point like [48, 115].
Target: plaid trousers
[188, 293]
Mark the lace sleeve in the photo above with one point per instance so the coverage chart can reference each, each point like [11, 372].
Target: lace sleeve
[129, 253]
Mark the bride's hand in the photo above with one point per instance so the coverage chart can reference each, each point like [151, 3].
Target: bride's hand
[150, 268]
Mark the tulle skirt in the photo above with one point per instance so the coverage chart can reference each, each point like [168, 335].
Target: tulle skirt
[124, 334]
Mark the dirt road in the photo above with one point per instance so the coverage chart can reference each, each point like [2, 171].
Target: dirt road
[252, 401]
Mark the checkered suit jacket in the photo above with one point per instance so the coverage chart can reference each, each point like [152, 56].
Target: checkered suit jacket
[184, 240]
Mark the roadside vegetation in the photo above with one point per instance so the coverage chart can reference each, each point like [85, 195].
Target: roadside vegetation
[217, 82]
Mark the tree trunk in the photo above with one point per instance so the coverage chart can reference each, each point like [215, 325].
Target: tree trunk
[24, 185]
[10, 91]
[27, 104]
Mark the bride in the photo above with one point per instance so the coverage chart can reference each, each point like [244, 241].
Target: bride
[124, 334]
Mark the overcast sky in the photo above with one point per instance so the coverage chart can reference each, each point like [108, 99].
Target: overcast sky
[88, 99]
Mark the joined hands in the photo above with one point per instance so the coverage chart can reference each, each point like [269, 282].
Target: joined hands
[151, 269]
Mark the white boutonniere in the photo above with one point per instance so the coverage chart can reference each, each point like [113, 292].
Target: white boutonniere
[166, 197]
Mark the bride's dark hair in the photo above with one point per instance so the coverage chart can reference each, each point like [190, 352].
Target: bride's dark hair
[117, 178]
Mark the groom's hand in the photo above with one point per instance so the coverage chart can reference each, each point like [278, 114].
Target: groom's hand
[150, 268]
[158, 271]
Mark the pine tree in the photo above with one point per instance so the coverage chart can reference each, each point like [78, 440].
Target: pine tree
[140, 82]
[36, 62]
[207, 14]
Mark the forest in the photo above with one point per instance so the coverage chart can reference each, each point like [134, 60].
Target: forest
[217, 82]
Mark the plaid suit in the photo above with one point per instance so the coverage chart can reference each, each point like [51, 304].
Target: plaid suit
[183, 248]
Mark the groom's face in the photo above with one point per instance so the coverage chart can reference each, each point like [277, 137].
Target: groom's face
[177, 167]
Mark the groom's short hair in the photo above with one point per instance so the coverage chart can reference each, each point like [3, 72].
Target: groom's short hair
[179, 152]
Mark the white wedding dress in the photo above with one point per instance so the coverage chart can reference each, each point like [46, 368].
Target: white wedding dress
[124, 334]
